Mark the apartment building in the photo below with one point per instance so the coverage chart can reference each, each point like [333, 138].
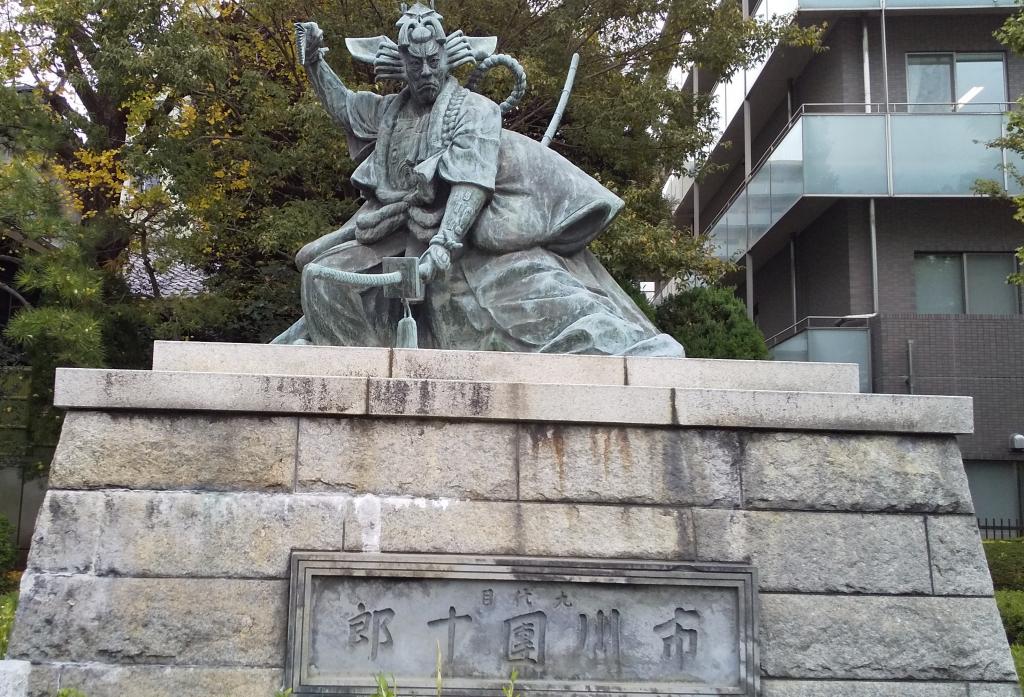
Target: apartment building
[845, 192]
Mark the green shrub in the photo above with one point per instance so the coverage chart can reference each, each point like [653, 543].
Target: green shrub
[8, 551]
[1011, 609]
[1018, 661]
[711, 323]
[8, 604]
[640, 298]
[1006, 563]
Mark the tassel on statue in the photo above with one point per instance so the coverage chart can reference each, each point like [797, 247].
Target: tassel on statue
[407, 334]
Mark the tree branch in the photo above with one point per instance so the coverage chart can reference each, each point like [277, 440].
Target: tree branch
[15, 294]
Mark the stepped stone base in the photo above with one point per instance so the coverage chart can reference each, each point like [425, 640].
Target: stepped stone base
[161, 558]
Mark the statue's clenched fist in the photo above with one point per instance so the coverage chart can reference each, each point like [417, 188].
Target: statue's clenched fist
[309, 42]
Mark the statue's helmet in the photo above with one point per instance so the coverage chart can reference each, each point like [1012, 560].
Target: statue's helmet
[420, 32]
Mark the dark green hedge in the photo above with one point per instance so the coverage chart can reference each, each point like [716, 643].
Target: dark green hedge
[1006, 562]
[8, 552]
[1011, 609]
[711, 323]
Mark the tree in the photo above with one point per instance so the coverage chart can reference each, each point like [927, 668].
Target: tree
[711, 323]
[1011, 34]
[180, 132]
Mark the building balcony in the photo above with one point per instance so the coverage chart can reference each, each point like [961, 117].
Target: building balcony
[730, 93]
[826, 340]
[821, 157]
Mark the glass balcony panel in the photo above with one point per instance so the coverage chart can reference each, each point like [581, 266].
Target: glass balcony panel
[944, 153]
[839, 4]
[719, 102]
[719, 239]
[759, 205]
[844, 154]
[792, 349]
[783, 7]
[735, 93]
[1015, 164]
[737, 231]
[948, 3]
[829, 346]
[787, 171]
[842, 346]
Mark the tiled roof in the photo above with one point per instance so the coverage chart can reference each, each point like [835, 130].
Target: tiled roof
[177, 279]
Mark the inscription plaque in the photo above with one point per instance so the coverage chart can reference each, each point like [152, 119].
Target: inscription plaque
[564, 626]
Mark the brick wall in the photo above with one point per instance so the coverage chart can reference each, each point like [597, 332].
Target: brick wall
[977, 356]
[958, 32]
[774, 304]
[906, 226]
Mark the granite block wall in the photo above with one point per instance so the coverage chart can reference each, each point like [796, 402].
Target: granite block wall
[160, 561]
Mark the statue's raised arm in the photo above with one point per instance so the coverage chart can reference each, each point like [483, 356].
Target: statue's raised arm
[496, 224]
[310, 49]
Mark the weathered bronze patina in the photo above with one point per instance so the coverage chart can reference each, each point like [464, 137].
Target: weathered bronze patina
[498, 222]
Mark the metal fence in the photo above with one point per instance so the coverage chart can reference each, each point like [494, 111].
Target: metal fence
[1001, 528]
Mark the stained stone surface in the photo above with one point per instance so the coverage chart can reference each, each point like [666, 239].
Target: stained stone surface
[820, 552]
[629, 465]
[165, 681]
[843, 472]
[959, 566]
[473, 400]
[520, 401]
[495, 366]
[246, 535]
[873, 638]
[803, 410]
[179, 451]
[14, 676]
[159, 563]
[838, 688]
[67, 532]
[174, 621]
[978, 689]
[424, 458]
[557, 530]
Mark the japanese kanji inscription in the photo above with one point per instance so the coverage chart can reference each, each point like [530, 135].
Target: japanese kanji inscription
[564, 626]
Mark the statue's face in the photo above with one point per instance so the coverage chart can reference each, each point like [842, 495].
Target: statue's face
[426, 74]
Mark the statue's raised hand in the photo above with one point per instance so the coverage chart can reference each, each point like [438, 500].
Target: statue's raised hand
[309, 42]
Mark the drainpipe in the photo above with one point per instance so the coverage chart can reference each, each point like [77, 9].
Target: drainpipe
[874, 257]
[792, 276]
[885, 60]
[910, 365]
[867, 64]
[750, 286]
[696, 184]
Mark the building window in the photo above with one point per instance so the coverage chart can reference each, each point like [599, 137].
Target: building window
[956, 284]
[996, 490]
[956, 82]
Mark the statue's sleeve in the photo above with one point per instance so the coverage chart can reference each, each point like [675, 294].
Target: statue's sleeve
[472, 157]
[365, 111]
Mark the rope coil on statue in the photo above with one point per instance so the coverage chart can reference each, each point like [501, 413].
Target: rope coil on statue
[422, 25]
[353, 278]
[518, 91]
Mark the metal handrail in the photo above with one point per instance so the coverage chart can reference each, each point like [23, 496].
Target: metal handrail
[837, 322]
[804, 110]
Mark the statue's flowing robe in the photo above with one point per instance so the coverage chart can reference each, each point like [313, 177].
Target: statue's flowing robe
[524, 280]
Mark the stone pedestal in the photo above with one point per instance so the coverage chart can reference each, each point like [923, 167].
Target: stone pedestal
[161, 557]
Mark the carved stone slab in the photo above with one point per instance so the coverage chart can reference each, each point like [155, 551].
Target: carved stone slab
[564, 627]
